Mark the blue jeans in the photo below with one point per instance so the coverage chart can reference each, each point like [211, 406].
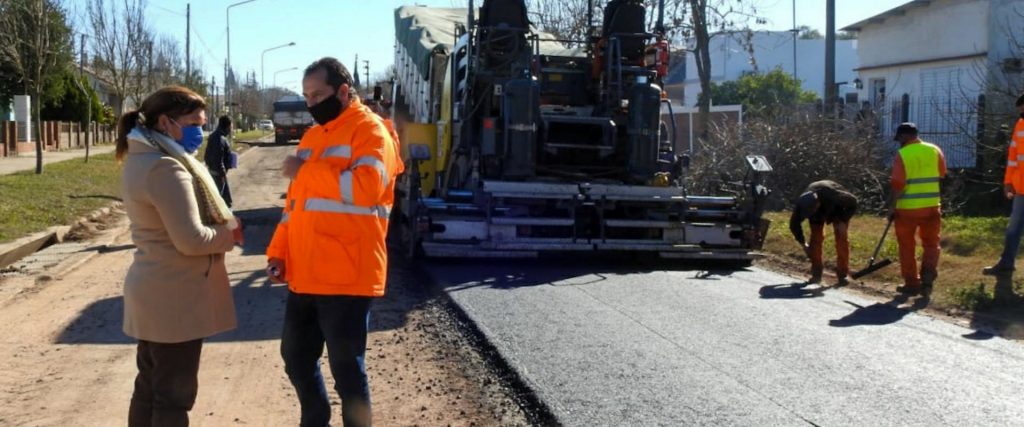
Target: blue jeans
[1014, 231]
[341, 322]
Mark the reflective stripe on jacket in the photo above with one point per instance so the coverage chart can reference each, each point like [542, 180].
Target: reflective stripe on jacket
[921, 163]
[1015, 174]
[333, 228]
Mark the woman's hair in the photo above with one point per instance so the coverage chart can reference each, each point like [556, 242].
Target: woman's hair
[171, 101]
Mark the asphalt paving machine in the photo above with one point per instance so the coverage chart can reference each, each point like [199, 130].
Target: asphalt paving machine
[517, 145]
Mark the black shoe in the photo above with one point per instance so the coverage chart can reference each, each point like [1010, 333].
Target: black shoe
[997, 270]
[815, 279]
[909, 290]
[926, 289]
[842, 282]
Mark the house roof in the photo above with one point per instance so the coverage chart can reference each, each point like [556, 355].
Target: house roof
[102, 79]
[881, 17]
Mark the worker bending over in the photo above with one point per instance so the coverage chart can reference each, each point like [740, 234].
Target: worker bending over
[824, 202]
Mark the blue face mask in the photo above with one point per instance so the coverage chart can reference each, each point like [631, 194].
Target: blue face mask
[191, 137]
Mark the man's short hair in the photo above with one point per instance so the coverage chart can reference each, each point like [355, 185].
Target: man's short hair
[1020, 100]
[337, 74]
[224, 122]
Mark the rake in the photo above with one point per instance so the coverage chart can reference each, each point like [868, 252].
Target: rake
[872, 265]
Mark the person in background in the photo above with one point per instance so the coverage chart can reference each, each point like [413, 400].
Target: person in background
[824, 202]
[1013, 188]
[916, 175]
[219, 157]
[177, 291]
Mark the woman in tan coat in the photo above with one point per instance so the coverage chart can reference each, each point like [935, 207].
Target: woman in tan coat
[177, 290]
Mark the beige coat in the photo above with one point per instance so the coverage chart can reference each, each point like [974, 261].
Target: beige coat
[177, 288]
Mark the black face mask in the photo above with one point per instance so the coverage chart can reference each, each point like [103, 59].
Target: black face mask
[326, 110]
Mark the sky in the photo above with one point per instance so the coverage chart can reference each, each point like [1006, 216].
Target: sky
[345, 28]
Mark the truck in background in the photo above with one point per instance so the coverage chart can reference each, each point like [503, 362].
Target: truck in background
[291, 119]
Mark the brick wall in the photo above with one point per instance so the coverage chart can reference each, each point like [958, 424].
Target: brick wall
[56, 136]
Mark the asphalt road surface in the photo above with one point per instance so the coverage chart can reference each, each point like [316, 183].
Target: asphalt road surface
[609, 343]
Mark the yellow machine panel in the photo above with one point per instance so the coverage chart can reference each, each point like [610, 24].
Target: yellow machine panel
[422, 134]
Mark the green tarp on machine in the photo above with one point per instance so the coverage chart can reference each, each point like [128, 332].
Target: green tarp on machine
[425, 30]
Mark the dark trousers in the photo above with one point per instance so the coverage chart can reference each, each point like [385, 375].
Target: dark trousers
[341, 322]
[167, 383]
[1014, 231]
[225, 190]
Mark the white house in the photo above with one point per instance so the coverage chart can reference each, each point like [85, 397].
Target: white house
[730, 60]
[929, 61]
[103, 88]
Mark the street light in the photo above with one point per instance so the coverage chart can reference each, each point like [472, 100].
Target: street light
[262, 55]
[263, 87]
[283, 71]
[227, 65]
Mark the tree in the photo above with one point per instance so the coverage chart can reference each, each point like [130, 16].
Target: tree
[70, 104]
[808, 33]
[119, 43]
[769, 93]
[35, 43]
[726, 93]
[763, 94]
[564, 19]
[726, 16]
[567, 19]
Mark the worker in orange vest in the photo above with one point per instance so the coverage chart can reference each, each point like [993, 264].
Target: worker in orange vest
[329, 246]
[1013, 187]
[916, 174]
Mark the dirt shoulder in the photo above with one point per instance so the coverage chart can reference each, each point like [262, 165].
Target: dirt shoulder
[65, 360]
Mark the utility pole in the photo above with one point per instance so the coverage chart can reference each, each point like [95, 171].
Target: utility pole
[213, 87]
[830, 58]
[188, 43]
[366, 68]
[88, 99]
[795, 31]
[149, 70]
[355, 69]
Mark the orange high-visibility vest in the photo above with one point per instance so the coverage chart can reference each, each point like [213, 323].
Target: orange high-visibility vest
[331, 235]
[1014, 173]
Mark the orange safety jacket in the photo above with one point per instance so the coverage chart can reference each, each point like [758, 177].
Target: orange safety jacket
[1014, 173]
[332, 231]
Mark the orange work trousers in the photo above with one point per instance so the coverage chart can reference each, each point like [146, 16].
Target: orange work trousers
[925, 223]
[841, 230]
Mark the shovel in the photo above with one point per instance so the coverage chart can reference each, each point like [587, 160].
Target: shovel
[872, 265]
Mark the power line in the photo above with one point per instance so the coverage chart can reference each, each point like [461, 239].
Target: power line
[169, 10]
[209, 52]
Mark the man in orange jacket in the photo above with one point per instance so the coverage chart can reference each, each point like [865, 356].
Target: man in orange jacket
[329, 246]
[1013, 188]
[916, 174]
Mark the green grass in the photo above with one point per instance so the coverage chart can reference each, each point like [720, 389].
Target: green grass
[65, 191]
[968, 245]
[250, 135]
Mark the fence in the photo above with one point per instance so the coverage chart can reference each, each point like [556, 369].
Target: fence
[950, 123]
[56, 136]
[687, 126]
